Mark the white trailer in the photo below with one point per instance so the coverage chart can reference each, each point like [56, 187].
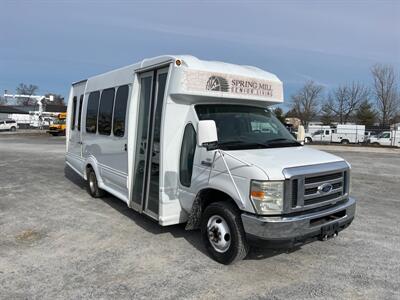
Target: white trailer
[344, 134]
[188, 141]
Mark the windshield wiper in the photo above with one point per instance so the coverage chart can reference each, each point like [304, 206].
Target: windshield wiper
[241, 145]
[282, 142]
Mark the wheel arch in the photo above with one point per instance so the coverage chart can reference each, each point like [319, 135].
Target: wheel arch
[205, 197]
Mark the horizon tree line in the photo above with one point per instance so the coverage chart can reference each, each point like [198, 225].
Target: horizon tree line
[352, 101]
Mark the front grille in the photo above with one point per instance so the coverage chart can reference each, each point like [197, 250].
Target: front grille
[307, 191]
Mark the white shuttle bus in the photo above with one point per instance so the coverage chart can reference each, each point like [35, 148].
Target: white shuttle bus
[183, 140]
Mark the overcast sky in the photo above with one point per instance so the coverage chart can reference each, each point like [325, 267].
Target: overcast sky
[53, 43]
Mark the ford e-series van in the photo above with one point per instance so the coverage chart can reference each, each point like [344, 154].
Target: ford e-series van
[183, 140]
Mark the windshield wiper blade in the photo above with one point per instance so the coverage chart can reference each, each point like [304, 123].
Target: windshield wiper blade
[283, 141]
[241, 144]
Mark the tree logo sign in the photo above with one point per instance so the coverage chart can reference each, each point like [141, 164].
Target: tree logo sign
[217, 83]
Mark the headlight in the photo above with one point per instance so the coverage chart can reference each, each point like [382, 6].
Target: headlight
[267, 196]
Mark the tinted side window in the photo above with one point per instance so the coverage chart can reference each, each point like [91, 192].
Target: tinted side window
[80, 112]
[10, 122]
[91, 112]
[105, 111]
[187, 155]
[73, 113]
[121, 101]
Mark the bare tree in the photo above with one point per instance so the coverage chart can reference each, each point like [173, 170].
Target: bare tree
[344, 101]
[385, 92]
[24, 89]
[305, 102]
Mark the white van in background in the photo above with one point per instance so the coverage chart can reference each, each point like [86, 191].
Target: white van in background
[386, 138]
[183, 140]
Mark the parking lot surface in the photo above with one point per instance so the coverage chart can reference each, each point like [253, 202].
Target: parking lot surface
[58, 242]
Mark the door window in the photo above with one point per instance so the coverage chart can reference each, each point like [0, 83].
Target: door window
[187, 155]
[80, 112]
[327, 132]
[154, 187]
[141, 140]
[73, 113]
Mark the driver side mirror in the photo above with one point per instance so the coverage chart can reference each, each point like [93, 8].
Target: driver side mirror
[207, 134]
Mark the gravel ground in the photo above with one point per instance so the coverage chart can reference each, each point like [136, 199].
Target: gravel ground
[58, 242]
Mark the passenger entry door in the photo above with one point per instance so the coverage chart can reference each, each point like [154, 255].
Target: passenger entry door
[74, 126]
[146, 179]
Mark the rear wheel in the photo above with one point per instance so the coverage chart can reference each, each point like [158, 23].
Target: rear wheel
[222, 233]
[344, 142]
[13, 128]
[93, 187]
[308, 140]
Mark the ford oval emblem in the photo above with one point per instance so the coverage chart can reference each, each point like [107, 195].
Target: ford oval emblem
[325, 188]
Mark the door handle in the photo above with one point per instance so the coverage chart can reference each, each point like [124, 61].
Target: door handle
[125, 147]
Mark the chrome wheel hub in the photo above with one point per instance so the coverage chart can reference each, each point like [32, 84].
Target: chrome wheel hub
[92, 183]
[219, 234]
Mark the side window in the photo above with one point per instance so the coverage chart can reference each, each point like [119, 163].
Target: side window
[327, 132]
[105, 111]
[187, 155]
[80, 112]
[91, 112]
[73, 113]
[121, 101]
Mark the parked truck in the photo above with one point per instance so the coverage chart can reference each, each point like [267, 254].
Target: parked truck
[59, 125]
[386, 138]
[344, 134]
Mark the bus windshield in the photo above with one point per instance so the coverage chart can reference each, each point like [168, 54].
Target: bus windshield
[59, 121]
[246, 127]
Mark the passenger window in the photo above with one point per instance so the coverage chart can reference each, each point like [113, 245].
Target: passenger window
[121, 101]
[105, 111]
[80, 112]
[327, 132]
[91, 112]
[187, 155]
[73, 113]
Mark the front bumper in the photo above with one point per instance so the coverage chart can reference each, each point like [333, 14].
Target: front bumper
[298, 228]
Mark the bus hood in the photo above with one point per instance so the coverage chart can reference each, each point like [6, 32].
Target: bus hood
[274, 161]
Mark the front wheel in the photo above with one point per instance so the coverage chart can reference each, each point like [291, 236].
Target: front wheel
[13, 129]
[345, 142]
[223, 234]
[308, 140]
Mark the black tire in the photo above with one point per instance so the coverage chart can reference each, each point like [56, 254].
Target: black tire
[238, 246]
[308, 140]
[344, 142]
[13, 128]
[92, 185]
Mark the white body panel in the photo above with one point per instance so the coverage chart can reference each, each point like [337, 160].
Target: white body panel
[188, 83]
